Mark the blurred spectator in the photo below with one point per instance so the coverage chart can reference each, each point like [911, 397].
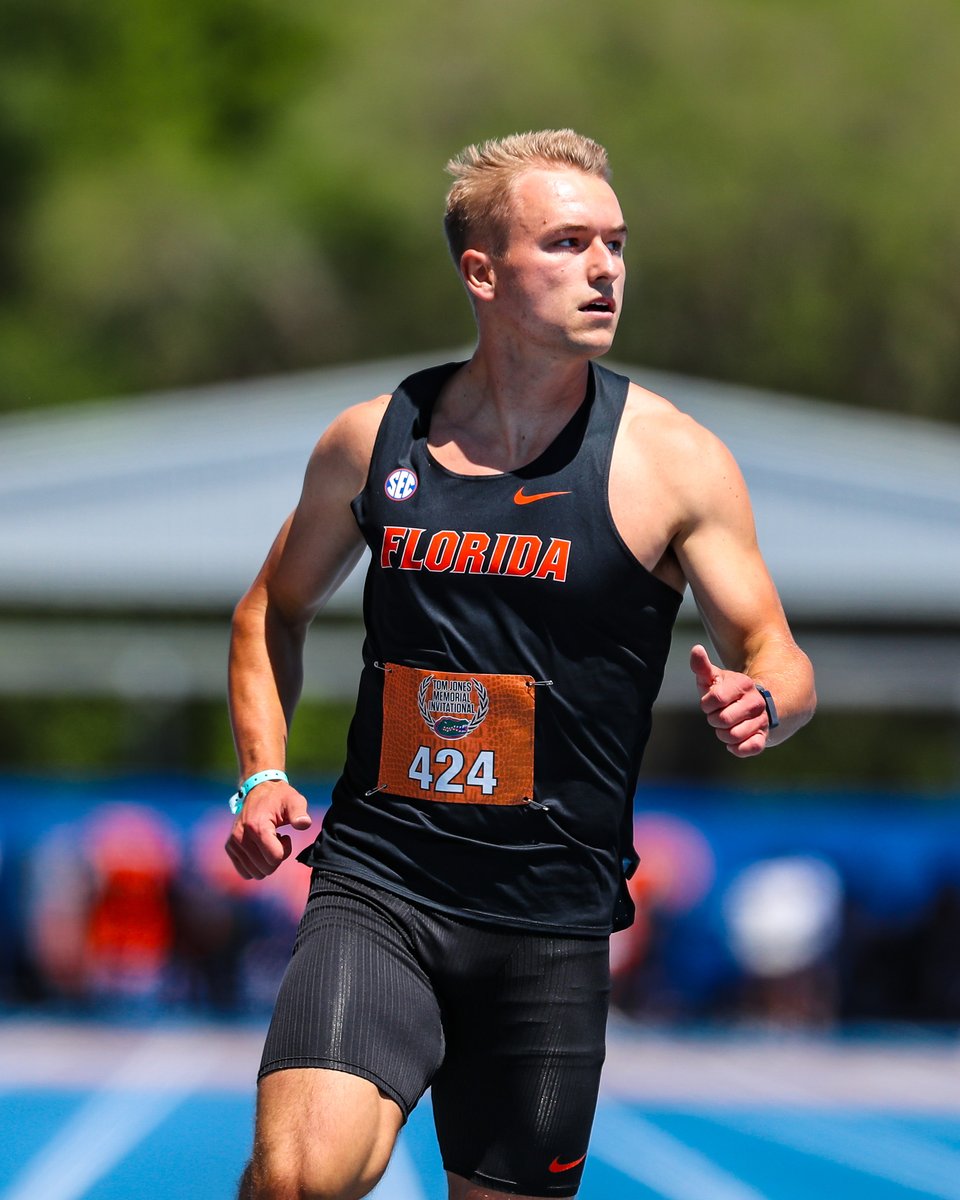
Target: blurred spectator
[939, 954]
[133, 855]
[57, 894]
[98, 898]
[211, 922]
[675, 873]
[783, 920]
[906, 967]
[137, 906]
[233, 936]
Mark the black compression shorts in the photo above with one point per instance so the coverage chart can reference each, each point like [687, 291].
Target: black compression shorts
[506, 1028]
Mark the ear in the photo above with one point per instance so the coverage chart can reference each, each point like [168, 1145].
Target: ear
[477, 272]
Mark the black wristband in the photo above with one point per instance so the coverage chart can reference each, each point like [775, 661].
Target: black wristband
[772, 717]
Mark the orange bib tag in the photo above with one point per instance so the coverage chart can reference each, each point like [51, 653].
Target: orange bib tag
[461, 739]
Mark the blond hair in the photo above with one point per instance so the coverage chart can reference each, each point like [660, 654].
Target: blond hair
[479, 203]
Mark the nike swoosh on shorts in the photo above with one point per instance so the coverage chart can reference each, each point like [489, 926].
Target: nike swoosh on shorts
[557, 1166]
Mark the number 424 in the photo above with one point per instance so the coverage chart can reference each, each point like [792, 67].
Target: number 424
[480, 774]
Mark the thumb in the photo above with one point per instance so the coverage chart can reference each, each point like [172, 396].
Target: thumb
[703, 669]
[296, 813]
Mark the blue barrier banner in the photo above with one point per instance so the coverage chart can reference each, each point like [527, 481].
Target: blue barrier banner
[116, 895]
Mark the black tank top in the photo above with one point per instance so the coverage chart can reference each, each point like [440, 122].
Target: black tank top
[521, 574]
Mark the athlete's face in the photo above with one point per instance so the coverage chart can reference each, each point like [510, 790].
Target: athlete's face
[559, 283]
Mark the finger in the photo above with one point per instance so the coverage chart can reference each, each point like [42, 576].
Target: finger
[238, 860]
[243, 864]
[703, 669]
[299, 820]
[742, 710]
[751, 747]
[258, 845]
[264, 850]
[255, 847]
[735, 734]
[291, 807]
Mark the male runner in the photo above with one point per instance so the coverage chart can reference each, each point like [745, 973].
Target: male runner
[533, 520]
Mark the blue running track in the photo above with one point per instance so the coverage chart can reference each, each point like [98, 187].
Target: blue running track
[121, 1138]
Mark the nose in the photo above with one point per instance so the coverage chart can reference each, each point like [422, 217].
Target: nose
[604, 263]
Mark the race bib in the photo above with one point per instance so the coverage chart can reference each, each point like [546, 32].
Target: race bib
[457, 738]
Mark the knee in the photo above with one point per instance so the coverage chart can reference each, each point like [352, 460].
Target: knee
[270, 1180]
[320, 1135]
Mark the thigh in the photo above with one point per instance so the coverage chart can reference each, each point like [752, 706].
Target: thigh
[515, 1097]
[355, 998]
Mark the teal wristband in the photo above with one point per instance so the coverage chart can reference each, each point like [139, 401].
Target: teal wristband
[238, 797]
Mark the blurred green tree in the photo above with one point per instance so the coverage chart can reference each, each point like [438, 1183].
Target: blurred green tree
[213, 189]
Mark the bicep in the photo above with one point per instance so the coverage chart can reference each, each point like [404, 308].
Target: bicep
[315, 552]
[721, 560]
[320, 542]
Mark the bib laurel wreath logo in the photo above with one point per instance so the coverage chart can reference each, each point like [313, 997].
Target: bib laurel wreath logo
[450, 711]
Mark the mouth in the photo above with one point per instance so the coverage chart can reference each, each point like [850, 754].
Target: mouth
[601, 305]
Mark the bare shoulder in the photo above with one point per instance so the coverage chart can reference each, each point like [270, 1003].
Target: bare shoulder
[342, 455]
[320, 540]
[687, 458]
[353, 432]
[652, 420]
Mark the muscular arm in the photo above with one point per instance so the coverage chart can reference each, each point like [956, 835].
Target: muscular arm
[717, 550]
[313, 553]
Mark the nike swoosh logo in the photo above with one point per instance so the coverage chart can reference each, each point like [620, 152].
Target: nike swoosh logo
[520, 498]
[557, 1166]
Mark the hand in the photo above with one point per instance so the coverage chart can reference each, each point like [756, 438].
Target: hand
[732, 705]
[254, 846]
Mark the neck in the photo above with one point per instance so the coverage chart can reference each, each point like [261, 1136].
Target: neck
[524, 384]
[513, 402]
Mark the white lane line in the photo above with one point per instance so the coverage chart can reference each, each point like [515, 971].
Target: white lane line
[875, 1147]
[115, 1118]
[401, 1180]
[87, 1147]
[663, 1163]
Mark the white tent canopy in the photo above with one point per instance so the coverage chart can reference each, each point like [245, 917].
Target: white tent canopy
[117, 519]
[170, 501]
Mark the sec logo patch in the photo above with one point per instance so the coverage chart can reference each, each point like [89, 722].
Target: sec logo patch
[401, 483]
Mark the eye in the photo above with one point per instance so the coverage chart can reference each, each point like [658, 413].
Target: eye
[615, 246]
